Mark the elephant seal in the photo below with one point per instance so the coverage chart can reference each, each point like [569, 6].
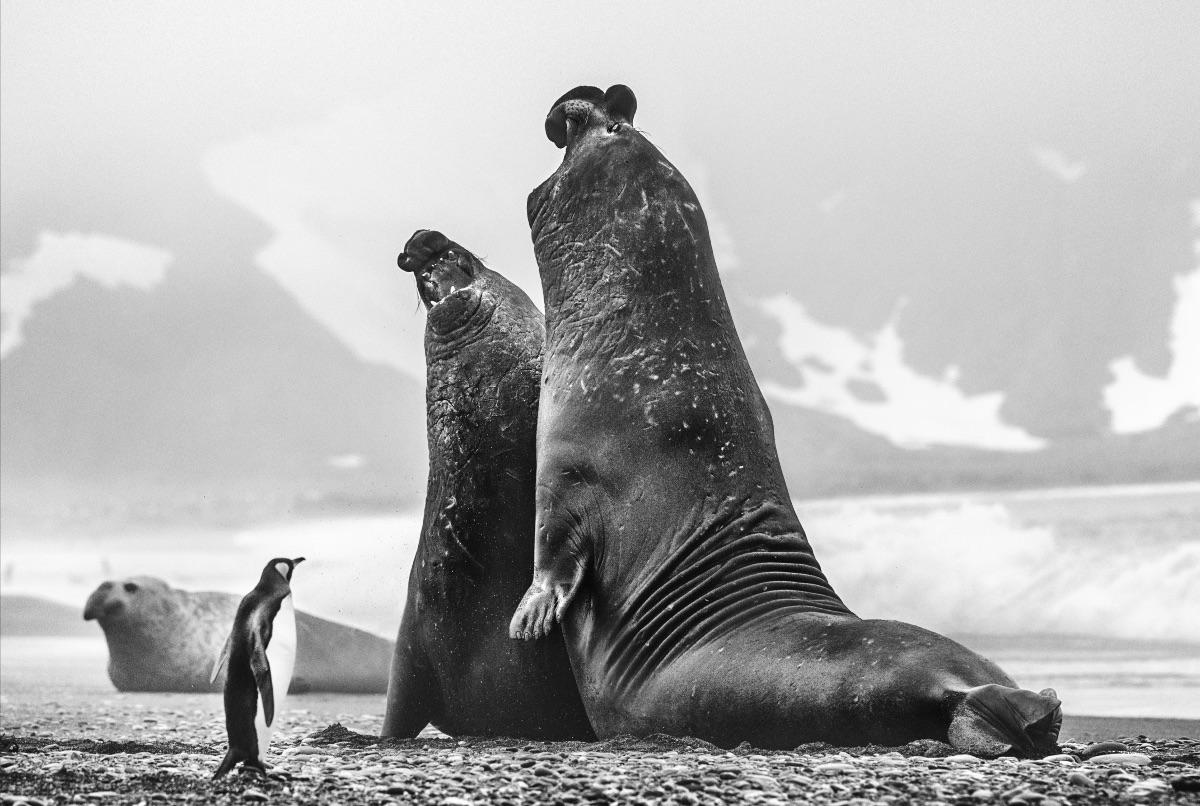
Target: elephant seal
[454, 665]
[666, 543]
[162, 638]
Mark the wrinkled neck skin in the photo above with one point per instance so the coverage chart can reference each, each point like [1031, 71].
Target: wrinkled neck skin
[622, 243]
[483, 363]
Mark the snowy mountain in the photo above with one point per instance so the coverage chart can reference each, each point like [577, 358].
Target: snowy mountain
[960, 248]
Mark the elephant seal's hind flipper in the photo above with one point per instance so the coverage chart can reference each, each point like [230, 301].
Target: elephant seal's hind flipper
[995, 720]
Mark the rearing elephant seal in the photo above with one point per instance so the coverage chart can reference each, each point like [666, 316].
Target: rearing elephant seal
[666, 541]
[454, 665]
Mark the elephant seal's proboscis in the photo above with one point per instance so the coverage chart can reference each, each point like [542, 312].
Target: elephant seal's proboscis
[454, 665]
[666, 542]
[162, 638]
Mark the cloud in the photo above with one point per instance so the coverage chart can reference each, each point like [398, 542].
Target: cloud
[323, 189]
[347, 461]
[1058, 165]
[833, 201]
[342, 194]
[868, 383]
[1140, 402]
[59, 260]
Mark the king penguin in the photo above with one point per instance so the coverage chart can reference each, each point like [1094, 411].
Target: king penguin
[260, 653]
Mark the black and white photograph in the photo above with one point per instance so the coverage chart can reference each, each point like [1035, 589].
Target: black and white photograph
[603, 402]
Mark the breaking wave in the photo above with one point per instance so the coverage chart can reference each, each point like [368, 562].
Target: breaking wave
[988, 566]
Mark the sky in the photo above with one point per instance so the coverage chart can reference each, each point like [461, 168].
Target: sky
[947, 224]
[309, 142]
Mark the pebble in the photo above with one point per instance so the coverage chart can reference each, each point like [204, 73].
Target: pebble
[1186, 783]
[460, 772]
[304, 750]
[1121, 759]
[1100, 748]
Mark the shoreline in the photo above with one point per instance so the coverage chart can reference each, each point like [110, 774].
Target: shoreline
[70, 742]
[1071, 492]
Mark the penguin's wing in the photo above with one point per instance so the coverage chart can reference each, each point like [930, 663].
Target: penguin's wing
[222, 660]
[259, 638]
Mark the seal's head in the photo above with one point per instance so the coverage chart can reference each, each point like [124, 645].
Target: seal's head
[483, 341]
[441, 267]
[450, 279]
[120, 600]
[587, 110]
[461, 294]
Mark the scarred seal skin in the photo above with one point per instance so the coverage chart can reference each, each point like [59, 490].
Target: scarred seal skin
[454, 665]
[162, 638]
[666, 542]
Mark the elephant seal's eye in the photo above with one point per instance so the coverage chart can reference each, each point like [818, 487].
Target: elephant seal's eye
[131, 587]
[614, 127]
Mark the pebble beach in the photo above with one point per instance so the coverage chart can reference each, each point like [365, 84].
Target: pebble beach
[162, 748]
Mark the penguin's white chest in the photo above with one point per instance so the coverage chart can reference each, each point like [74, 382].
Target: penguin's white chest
[281, 655]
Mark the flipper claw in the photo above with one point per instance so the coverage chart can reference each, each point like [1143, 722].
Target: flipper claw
[995, 720]
[535, 615]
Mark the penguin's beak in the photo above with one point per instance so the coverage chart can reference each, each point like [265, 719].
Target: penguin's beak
[297, 561]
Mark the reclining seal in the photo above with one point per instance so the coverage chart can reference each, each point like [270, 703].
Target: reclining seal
[162, 638]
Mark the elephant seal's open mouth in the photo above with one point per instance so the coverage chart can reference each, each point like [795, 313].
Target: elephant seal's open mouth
[441, 267]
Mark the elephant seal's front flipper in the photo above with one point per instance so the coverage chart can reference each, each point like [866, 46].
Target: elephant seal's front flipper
[994, 720]
[561, 557]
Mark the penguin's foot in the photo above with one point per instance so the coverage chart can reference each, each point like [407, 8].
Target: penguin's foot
[232, 757]
[996, 720]
[253, 766]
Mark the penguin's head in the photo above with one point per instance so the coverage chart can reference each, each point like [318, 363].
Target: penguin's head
[283, 567]
[117, 598]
